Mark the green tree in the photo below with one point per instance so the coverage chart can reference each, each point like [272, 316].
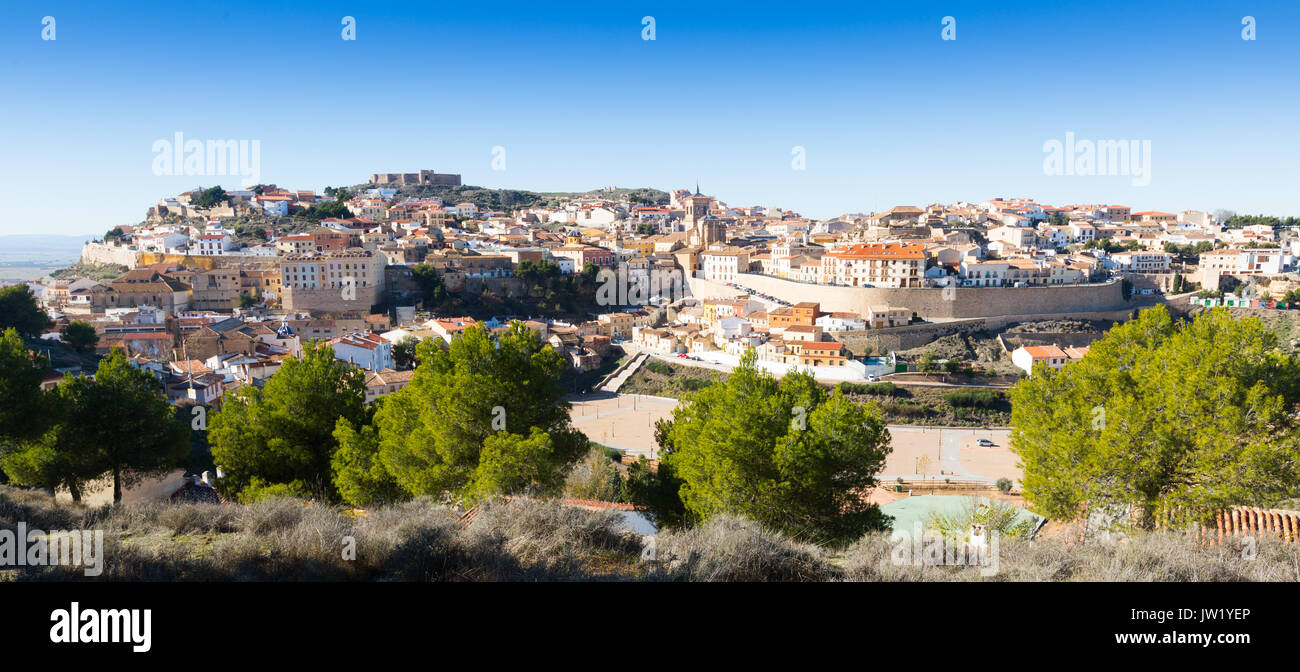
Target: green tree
[1162, 419]
[247, 300]
[19, 310]
[404, 352]
[206, 198]
[782, 452]
[481, 418]
[359, 475]
[429, 281]
[129, 428]
[80, 336]
[658, 491]
[23, 411]
[285, 432]
[328, 209]
[116, 424]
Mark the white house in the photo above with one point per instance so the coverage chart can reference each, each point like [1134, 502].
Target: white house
[984, 273]
[733, 327]
[724, 266]
[368, 351]
[1026, 356]
[212, 244]
[841, 322]
[276, 206]
[1141, 261]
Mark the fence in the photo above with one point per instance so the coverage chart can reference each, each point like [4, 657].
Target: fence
[1245, 520]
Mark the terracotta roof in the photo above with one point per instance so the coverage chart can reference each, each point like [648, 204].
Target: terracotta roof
[823, 345]
[880, 251]
[1043, 351]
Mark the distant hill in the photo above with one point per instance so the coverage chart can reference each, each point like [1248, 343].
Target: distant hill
[504, 199]
[43, 243]
[32, 256]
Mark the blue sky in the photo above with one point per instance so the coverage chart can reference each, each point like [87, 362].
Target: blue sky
[887, 111]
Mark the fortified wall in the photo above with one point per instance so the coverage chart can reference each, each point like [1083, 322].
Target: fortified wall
[931, 303]
[99, 253]
[332, 300]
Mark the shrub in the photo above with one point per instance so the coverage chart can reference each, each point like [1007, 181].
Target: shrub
[972, 398]
[904, 409]
[258, 490]
[595, 477]
[692, 384]
[661, 368]
[727, 548]
[878, 389]
[270, 514]
[550, 536]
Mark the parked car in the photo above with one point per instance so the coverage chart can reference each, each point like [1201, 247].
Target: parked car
[985, 442]
[683, 355]
[873, 379]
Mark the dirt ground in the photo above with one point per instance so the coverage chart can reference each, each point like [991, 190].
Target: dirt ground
[623, 421]
[951, 453]
[626, 422]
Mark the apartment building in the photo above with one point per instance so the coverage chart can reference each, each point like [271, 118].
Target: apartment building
[213, 244]
[876, 265]
[368, 351]
[581, 255]
[724, 265]
[1142, 262]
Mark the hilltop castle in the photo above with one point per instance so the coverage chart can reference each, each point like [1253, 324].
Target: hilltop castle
[408, 179]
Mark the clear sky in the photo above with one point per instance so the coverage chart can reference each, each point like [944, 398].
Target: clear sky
[886, 110]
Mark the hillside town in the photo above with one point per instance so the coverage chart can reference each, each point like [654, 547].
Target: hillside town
[217, 287]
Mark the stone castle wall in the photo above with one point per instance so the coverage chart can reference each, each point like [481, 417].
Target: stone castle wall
[99, 253]
[931, 303]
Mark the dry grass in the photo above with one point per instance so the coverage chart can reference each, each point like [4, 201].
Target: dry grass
[735, 549]
[1153, 557]
[523, 540]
